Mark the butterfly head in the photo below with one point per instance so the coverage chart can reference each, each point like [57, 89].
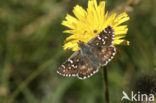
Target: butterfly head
[81, 44]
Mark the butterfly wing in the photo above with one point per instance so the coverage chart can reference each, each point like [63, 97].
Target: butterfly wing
[104, 54]
[102, 46]
[104, 38]
[78, 65]
[70, 67]
[86, 68]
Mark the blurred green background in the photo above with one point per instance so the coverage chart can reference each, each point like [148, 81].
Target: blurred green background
[31, 41]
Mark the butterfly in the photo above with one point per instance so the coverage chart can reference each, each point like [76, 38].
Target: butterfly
[91, 56]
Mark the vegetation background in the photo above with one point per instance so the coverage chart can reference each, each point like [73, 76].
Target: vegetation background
[31, 41]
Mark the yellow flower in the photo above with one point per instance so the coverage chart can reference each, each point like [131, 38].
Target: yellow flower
[88, 23]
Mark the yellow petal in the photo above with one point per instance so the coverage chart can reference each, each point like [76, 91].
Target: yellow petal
[121, 41]
[119, 36]
[71, 22]
[79, 12]
[121, 18]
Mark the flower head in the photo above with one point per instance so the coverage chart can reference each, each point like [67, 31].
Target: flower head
[88, 23]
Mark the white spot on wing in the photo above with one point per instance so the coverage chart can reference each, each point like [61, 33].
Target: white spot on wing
[103, 42]
[104, 31]
[73, 75]
[73, 66]
[63, 66]
[99, 38]
[70, 61]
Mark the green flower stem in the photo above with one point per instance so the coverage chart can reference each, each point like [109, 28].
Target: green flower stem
[106, 87]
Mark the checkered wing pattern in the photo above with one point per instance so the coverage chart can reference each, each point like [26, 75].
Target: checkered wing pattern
[86, 68]
[77, 65]
[102, 46]
[70, 67]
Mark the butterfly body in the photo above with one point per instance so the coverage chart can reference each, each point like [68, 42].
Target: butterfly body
[86, 51]
[91, 56]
